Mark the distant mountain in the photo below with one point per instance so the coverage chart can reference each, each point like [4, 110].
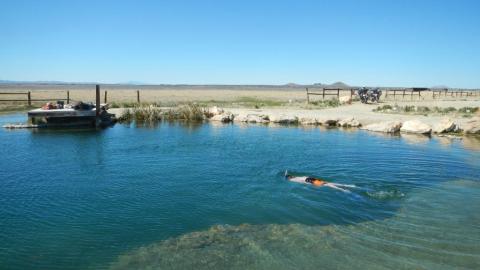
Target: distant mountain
[339, 85]
[292, 85]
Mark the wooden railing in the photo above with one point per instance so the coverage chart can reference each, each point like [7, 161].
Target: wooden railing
[29, 98]
[327, 92]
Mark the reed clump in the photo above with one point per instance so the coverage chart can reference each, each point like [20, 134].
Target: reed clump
[150, 114]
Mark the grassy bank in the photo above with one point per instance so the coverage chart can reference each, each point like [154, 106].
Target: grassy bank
[151, 113]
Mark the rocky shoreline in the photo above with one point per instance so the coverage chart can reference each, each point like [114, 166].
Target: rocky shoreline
[414, 126]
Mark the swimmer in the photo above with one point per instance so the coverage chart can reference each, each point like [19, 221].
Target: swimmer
[317, 182]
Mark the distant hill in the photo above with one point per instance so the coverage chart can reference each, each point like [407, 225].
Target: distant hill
[339, 85]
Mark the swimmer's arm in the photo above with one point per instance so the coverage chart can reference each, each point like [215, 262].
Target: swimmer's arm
[335, 187]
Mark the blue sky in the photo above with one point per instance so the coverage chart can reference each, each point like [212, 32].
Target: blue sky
[388, 43]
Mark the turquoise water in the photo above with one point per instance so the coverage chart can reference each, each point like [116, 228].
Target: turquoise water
[210, 196]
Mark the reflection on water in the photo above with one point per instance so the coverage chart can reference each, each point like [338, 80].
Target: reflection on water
[417, 139]
[434, 229]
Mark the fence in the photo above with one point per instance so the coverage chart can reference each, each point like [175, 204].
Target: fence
[29, 98]
[327, 92]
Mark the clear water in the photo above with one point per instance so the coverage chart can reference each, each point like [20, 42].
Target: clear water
[184, 196]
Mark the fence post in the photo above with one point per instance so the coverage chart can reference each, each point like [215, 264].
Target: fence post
[138, 96]
[68, 97]
[29, 99]
[323, 93]
[97, 99]
[308, 99]
[338, 93]
[105, 97]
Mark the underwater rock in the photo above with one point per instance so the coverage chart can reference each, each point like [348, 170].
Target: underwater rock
[433, 229]
[416, 126]
[387, 127]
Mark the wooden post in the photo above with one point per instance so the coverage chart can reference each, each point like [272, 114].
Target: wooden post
[403, 96]
[308, 99]
[105, 97]
[68, 97]
[29, 99]
[419, 96]
[338, 93]
[138, 96]
[411, 95]
[97, 99]
[323, 93]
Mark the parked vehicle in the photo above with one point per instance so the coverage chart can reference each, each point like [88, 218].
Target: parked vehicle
[369, 94]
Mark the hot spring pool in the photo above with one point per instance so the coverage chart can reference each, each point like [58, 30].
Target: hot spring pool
[212, 196]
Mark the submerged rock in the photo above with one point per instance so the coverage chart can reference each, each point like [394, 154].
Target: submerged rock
[387, 127]
[418, 233]
[416, 126]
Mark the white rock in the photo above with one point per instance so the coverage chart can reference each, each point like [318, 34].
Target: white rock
[240, 118]
[416, 126]
[446, 125]
[345, 100]
[387, 127]
[225, 117]
[283, 119]
[308, 121]
[215, 110]
[327, 121]
[254, 118]
[472, 126]
[348, 122]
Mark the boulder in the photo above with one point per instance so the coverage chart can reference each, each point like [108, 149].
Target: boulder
[472, 126]
[387, 127]
[444, 126]
[283, 119]
[416, 126]
[308, 121]
[345, 100]
[225, 117]
[254, 118]
[240, 118]
[328, 121]
[215, 110]
[348, 122]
